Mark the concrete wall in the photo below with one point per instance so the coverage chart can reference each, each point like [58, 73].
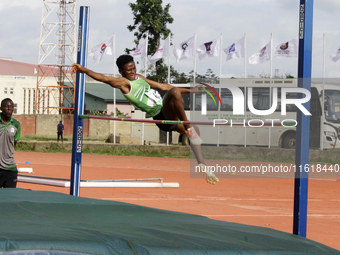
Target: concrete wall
[122, 128]
[102, 129]
[99, 128]
[46, 125]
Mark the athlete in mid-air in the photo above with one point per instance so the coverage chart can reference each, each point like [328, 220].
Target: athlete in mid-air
[142, 93]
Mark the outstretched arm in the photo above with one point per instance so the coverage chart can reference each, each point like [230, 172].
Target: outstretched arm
[166, 87]
[119, 83]
[157, 85]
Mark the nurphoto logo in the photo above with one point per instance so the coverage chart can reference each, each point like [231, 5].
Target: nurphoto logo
[238, 100]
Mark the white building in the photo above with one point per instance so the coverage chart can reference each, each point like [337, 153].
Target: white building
[18, 81]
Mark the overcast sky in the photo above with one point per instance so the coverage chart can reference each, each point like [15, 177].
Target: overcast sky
[20, 23]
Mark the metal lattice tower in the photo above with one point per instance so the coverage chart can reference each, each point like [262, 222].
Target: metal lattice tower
[57, 51]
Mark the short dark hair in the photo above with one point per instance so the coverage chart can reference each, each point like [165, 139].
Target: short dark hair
[6, 99]
[123, 60]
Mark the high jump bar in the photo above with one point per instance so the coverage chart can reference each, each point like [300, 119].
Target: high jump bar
[220, 122]
[109, 180]
[61, 182]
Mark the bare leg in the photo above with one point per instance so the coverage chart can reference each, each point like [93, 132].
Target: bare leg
[195, 148]
[173, 106]
[173, 109]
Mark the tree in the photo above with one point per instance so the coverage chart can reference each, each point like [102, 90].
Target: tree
[178, 78]
[289, 76]
[162, 75]
[150, 17]
[209, 77]
[159, 73]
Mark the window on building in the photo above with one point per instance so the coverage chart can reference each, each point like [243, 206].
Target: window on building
[29, 102]
[33, 100]
[5, 90]
[24, 110]
[11, 91]
[15, 108]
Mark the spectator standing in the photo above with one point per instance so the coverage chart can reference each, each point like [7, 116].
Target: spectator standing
[60, 130]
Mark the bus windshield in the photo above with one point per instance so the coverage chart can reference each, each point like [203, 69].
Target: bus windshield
[332, 105]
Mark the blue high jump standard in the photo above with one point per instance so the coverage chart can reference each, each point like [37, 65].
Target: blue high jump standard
[302, 130]
[79, 93]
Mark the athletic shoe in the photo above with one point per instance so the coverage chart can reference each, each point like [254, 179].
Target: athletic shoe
[193, 136]
[209, 176]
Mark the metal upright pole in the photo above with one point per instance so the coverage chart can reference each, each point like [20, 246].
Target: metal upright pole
[245, 87]
[302, 134]
[114, 90]
[219, 91]
[271, 84]
[323, 91]
[79, 95]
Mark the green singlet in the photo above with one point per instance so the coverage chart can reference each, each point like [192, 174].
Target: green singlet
[144, 97]
[9, 134]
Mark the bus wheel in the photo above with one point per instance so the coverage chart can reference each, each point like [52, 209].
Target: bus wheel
[289, 141]
[185, 140]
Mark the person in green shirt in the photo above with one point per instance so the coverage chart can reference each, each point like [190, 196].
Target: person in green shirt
[9, 136]
[143, 93]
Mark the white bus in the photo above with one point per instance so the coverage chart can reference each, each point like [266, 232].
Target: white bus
[325, 118]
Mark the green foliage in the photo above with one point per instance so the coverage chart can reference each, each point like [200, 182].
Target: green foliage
[289, 76]
[50, 147]
[178, 78]
[98, 113]
[161, 74]
[267, 76]
[56, 147]
[209, 77]
[104, 113]
[24, 146]
[38, 138]
[120, 114]
[151, 17]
